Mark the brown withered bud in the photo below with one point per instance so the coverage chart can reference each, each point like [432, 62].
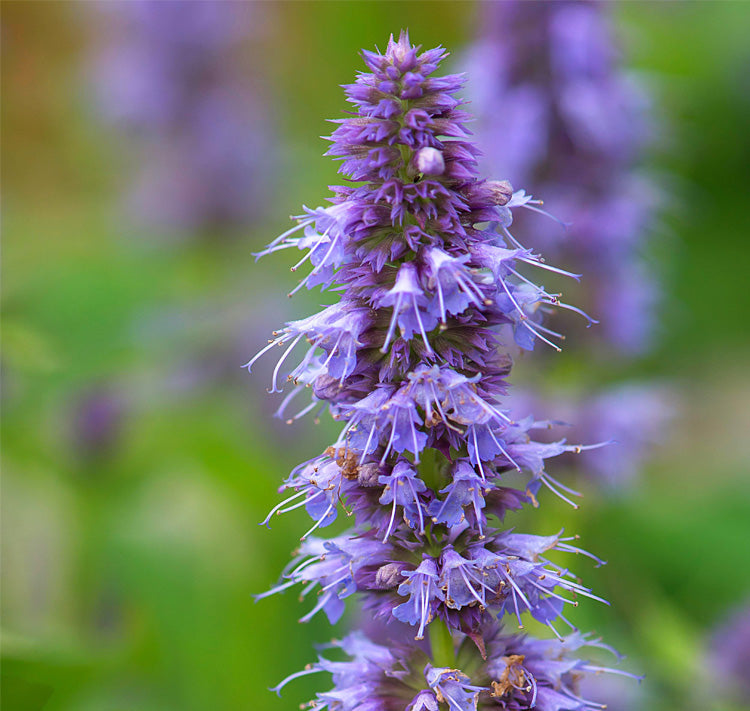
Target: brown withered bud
[347, 461]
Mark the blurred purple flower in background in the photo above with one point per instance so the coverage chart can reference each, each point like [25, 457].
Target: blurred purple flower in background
[729, 660]
[183, 85]
[618, 693]
[173, 75]
[635, 414]
[97, 420]
[558, 113]
[631, 416]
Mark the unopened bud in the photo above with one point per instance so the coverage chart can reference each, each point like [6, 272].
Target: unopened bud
[389, 576]
[326, 388]
[368, 474]
[501, 191]
[485, 193]
[430, 161]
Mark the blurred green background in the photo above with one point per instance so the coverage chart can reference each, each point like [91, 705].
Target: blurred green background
[129, 566]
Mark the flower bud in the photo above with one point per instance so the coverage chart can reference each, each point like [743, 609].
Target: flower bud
[368, 474]
[486, 193]
[389, 576]
[430, 161]
[501, 191]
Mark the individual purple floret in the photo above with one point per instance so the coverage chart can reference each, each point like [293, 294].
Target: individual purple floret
[168, 74]
[413, 360]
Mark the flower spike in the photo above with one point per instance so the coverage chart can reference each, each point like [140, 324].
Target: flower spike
[414, 360]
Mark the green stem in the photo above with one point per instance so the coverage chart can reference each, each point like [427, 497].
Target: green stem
[441, 641]
[431, 468]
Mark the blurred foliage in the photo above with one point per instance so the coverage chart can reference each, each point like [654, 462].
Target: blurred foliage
[129, 568]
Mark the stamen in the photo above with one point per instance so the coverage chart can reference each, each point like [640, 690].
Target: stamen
[507, 233]
[366, 450]
[319, 522]
[544, 479]
[287, 400]
[265, 521]
[549, 268]
[390, 442]
[440, 300]
[504, 451]
[275, 342]
[392, 325]
[531, 326]
[421, 325]
[274, 388]
[530, 206]
[318, 607]
[286, 234]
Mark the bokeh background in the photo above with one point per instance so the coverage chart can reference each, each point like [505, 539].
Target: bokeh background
[138, 457]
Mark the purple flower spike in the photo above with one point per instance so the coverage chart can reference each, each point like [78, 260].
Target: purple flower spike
[414, 361]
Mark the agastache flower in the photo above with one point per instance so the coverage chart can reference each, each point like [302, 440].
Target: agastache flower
[402, 487]
[465, 490]
[454, 285]
[518, 673]
[421, 587]
[414, 361]
[406, 297]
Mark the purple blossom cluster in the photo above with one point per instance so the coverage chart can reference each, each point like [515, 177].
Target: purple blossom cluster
[168, 73]
[413, 360]
[518, 673]
[556, 109]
